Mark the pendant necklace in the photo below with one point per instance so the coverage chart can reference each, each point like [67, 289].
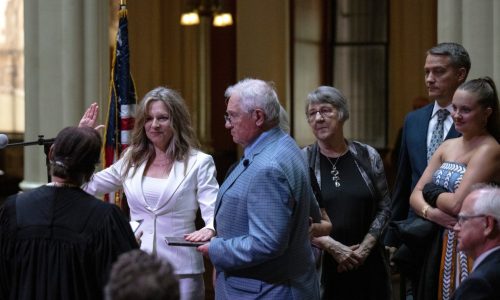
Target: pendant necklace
[334, 172]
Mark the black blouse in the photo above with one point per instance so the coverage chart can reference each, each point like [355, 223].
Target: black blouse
[350, 206]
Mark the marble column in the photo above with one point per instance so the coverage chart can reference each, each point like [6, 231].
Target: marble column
[476, 25]
[203, 104]
[66, 68]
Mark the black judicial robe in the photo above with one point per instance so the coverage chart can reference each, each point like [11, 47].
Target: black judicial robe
[59, 243]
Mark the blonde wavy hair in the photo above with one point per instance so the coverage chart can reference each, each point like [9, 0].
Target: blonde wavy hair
[183, 140]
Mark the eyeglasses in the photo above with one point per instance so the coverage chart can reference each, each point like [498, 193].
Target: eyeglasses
[325, 113]
[227, 118]
[462, 218]
[230, 117]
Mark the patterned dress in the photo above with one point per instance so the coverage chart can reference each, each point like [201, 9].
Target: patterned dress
[455, 265]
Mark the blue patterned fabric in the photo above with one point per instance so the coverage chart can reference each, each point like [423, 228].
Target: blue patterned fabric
[454, 262]
[262, 249]
[449, 175]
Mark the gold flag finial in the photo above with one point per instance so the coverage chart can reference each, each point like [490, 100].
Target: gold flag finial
[123, 3]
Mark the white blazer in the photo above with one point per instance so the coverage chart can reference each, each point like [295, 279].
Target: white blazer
[186, 189]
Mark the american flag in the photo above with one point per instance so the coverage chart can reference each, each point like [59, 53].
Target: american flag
[122, 101]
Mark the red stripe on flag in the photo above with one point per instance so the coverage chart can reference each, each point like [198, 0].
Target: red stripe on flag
[109, 155]
[127, 124]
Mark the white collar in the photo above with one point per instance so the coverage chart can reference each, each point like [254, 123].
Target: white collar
[438, 107]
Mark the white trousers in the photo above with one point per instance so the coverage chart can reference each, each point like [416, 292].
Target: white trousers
[191, 287]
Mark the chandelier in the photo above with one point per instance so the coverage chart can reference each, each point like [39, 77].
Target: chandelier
[194, 9]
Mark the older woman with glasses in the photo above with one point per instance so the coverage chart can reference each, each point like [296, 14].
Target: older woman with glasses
[454, 168]
[355, 194]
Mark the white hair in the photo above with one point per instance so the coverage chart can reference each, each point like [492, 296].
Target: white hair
[488, 201]
[332, 96]
[256, 93]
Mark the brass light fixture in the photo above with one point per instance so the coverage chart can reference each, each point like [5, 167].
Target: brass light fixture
[206, 8]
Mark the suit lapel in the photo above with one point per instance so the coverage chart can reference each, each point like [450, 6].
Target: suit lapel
[244, 164]
[423, 121]
[235, 173]
[175, 179]
[137, 183]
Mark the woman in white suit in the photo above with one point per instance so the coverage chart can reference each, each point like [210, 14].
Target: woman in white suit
[166, 179]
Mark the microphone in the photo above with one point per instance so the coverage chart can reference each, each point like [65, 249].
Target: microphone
[4, 140]
[246, 162]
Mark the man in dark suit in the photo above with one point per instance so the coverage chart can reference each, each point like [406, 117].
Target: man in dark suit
[262, 248]
[478, 234]
[446, 67]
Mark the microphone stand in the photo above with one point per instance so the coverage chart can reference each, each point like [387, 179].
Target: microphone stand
[47, 143]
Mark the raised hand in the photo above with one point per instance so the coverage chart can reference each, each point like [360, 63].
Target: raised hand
[89, 118]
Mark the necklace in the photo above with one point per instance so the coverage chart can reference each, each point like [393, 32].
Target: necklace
[161, 163]
[334, 172]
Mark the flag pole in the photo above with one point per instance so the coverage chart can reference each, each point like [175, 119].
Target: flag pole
[122, 101]
[123, 8]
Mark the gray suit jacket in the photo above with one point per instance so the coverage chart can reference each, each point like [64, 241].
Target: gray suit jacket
[262, 249]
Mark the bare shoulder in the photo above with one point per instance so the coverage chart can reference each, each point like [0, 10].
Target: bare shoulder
[450, 143]
[490, 148]
[448, 147]
[487, 154]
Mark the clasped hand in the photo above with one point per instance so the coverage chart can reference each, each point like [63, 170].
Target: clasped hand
[440, 217]
[348, 257]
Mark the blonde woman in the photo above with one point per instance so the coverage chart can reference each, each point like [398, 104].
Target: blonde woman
[166, 180]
